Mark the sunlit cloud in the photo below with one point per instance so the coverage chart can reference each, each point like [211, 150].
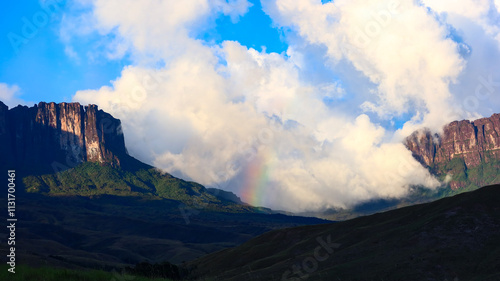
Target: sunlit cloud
[259, 123]
[10, 95]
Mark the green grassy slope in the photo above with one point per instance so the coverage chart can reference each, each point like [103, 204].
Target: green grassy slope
[455, 237]
[468, 178]
[91, 179]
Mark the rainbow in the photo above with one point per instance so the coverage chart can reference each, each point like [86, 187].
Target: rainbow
[256, 179]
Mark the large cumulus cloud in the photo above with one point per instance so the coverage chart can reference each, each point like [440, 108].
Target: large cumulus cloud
[317, 118]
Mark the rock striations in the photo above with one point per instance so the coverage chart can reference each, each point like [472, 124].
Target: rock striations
[473, 141]
[59, 136]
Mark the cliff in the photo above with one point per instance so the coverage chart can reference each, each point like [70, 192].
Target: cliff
[51, 137]
[471, 144]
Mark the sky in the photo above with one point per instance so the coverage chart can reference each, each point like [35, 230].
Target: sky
[298, 105]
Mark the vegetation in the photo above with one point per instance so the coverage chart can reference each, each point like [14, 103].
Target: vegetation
[469, 178]
[157, 270]
[457, 168]
[92, 179]
[486, 173]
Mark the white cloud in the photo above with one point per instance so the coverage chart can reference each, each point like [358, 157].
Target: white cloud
[211, 123]
[473, 9]
[397, 45]
[477, 26]
[460, 14]
[9, 95]
[148, 29]
[217, 113]
[233, 8]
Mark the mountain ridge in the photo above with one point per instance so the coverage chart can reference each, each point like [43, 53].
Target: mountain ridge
[448, 239]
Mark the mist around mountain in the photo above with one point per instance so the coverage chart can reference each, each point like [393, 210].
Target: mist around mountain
[464, 156]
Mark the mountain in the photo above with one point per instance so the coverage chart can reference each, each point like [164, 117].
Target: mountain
[70, 149]
[454, 238]
[83, 202]
[468, 152]
[52, 137]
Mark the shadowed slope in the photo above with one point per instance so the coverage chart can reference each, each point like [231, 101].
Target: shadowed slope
[455, 237]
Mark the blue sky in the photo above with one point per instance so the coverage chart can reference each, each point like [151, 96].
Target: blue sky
[40, 67]
[253, 30]
[43, 70]
[207, 89]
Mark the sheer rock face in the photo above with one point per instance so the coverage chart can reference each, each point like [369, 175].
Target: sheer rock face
[474, 142]
[59, 136]
[5, 147]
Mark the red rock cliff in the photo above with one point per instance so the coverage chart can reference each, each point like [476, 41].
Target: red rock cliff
[59, 136]
[473, 141]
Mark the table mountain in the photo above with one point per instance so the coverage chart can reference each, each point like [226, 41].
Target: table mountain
[467, 151]
[70, 149]
[53, 137]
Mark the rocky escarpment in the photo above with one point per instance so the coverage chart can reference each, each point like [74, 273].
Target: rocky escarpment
[53, 137]
[470, 143]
